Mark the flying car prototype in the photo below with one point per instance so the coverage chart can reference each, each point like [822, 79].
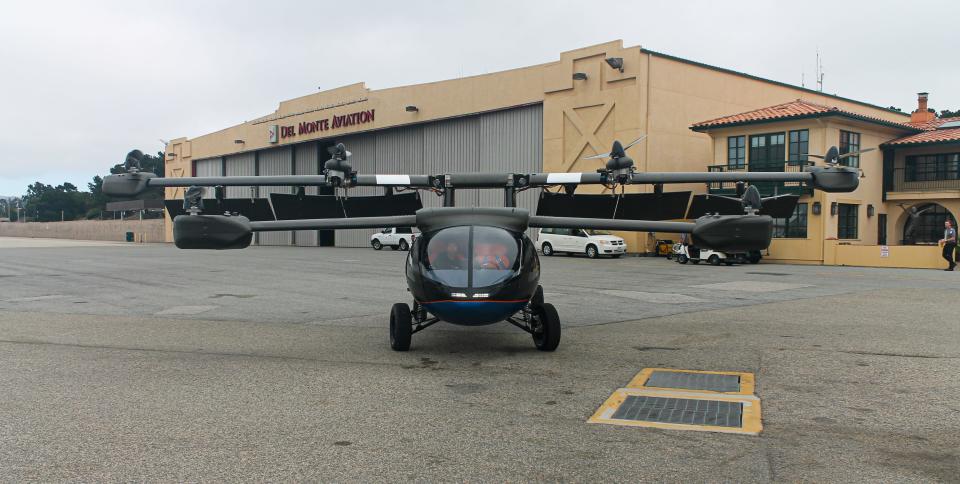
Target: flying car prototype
[476, 266]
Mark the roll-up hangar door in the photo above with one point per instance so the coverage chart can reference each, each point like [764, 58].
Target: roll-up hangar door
[306, 156]
[277, 161]
[243, 164]
[209, 167]
[509, 141]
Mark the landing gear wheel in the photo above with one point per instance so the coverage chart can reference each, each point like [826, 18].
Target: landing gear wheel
[376, 244]
[591, 252]
[754, 257]
[682, 259]
[401, 327]
[547, 335]
[547, 249]
[537, 299]
[403, 245]
[714, 260]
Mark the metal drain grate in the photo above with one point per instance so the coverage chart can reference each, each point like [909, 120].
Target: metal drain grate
[681, 411]
[694, 381]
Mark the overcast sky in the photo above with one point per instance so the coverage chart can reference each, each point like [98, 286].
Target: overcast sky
[82, 83]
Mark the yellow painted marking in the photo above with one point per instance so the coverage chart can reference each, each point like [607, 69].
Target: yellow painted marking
[747, 383]
[750, 412]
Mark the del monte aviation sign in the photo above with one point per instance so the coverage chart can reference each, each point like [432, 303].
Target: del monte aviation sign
[277, 132]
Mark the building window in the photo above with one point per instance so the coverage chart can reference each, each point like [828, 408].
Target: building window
[944, 166]
[847, 221]
[799, 145]
[926, 227]
[794, 227]
[736, 152]
[767, 152]
[850, 143]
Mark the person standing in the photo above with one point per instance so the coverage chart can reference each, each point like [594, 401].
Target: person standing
[949, 243]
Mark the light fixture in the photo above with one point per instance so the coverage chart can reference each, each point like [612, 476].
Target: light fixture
[615, 62]
[579, 76]
[816, 208]
[870, 210]
[833, 208]
[411, 109]
[239, 141]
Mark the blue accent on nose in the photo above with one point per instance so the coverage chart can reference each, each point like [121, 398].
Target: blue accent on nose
[473, 313]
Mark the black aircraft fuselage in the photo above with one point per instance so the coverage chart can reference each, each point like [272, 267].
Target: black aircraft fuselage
[473, 267]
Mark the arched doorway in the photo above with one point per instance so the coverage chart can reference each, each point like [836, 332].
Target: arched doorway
[924, 224]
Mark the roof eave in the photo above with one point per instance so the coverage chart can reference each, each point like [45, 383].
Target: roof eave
[701, 129]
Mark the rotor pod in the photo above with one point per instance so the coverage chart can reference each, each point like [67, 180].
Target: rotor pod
[211, 232]
[126, 184]
[733, 233]
[833, 156]
[834, 179]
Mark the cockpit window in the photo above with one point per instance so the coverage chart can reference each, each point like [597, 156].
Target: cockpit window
[447, 256]
[471, 256]
[494, 255]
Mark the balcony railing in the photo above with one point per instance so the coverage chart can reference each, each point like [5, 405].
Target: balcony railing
[908, 180]
[766, 188]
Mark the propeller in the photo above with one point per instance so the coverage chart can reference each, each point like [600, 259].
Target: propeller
[193, 199]
[337, 168]
[618, 150]
[833, 155]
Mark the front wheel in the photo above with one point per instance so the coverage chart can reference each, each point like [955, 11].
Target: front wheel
[376, 244]
[404, 245]
[401, 327]
[547, 249]
[591, 251]
[547, 335]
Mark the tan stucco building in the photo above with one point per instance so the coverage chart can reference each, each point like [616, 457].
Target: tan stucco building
[546, 118]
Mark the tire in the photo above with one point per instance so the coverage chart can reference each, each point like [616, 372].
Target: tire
[404, 245]
[401, 328]
[376, 244]
[547, 249]
[549, 336]
[591, 251]
[755, 257]
[714, 260]
[682, 259]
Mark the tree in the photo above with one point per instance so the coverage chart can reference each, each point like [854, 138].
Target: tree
[946, 113]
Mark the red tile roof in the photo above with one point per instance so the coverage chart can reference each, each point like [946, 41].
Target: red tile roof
[931, 133]
[790, 110]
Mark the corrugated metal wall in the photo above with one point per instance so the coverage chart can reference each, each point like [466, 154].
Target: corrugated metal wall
[306, 164]
[508, 141]
[278, 161]
[209, 167]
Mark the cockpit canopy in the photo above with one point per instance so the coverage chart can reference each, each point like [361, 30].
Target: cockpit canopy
[470, 256]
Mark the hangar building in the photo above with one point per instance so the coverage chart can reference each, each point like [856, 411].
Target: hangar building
[542, 118]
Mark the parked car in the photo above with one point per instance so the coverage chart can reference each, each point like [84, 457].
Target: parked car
[593, 243]
[688, 253]
[393, 237]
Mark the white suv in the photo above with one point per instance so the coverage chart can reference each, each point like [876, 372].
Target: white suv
[394, 237]
[593, 243]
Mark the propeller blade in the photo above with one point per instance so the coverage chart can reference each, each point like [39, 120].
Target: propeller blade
[635, 141]
[855, 153]
[594, 157]
[813, 155]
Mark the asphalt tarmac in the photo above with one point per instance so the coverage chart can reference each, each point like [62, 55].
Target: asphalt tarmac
[142, 362]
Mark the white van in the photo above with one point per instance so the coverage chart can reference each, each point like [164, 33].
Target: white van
[593, 243]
